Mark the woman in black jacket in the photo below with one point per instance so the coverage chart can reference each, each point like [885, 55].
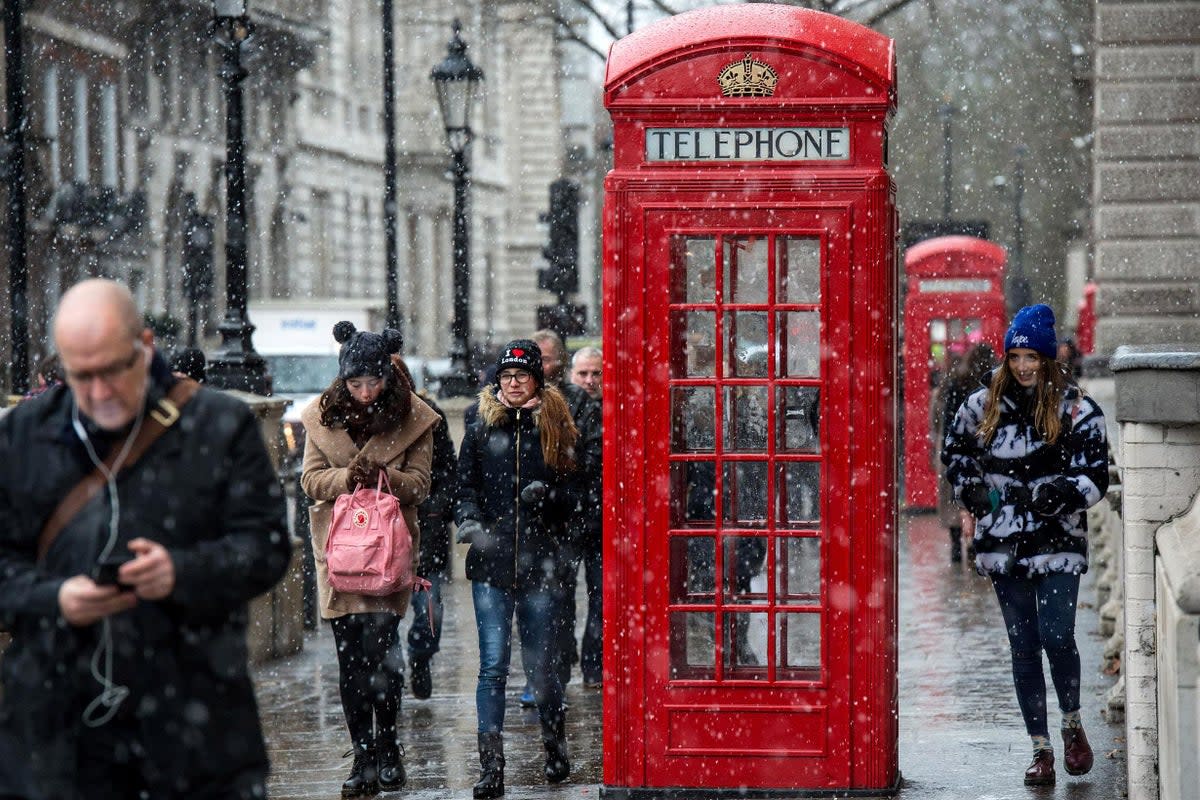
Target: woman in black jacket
[519, 481]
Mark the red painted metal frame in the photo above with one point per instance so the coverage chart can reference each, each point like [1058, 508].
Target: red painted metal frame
[661, 733]
[945, 259]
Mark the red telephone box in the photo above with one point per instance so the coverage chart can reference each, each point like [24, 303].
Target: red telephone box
[955, 297]
[750, 408]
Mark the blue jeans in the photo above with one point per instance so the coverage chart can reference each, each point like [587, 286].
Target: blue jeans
[494, 609]
[424, 642]
[1039, 613]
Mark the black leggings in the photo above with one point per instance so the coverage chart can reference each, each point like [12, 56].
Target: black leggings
[371, 674]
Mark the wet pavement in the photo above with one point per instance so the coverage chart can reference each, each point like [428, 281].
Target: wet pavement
[961, 736]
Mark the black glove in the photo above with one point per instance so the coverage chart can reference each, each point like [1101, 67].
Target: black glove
[362, 473]
[976, 498]
[534, 493]
[1051, 499]
[468, 530]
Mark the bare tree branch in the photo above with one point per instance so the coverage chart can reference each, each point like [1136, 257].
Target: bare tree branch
[591, 9]
[663, 7]
[887, 12]
[566, 32]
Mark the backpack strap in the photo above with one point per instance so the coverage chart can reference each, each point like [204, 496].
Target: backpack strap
[162, 416]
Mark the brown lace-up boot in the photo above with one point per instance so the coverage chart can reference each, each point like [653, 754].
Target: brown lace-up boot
[1041, 771]
[1077, 753]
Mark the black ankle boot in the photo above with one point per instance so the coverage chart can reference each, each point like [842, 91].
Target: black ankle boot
[554, 738]
[955, 545]
[364, 775]
[391, 767]
[491, 762]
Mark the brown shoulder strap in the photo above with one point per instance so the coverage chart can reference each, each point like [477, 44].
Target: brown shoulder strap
[162, 416]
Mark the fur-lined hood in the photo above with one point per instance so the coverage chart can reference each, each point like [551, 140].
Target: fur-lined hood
[554, 422]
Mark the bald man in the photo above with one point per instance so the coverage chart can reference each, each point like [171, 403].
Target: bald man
[127, 673]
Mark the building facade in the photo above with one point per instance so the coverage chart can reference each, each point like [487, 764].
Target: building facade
[126, 144]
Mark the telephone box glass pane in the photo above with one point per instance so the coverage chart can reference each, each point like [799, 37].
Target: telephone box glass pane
[746, 344]
[693, 419]
[800, 411]
[798, 642]
[693, 269]
[799, 269]
[693, 494]
[693, 569]
[745, 569]
[746, 272]
[745, 646]
[745, 495]
[800, 343]
[745, 423]
[797, 485]
[798, 571]
[693, 645]
[693, 344]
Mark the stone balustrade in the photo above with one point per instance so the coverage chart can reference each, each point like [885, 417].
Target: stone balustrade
[1158, 408]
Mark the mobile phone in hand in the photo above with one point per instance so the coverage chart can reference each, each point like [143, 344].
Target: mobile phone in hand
[104, 573]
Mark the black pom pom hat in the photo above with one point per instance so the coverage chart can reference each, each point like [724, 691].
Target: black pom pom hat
[365, 354]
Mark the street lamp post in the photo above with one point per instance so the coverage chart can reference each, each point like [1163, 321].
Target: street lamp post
[947, 111]
[14, 168]
[1019, 294]
[456, 80]
[235, 365]
[389, 166]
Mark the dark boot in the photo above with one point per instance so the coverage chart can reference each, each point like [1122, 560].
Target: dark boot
[364, 776]
[1077, 753]
[1041, 771]
[491, 762]
[422, 679]
[955, 545]
[391, 766]
[554, 737]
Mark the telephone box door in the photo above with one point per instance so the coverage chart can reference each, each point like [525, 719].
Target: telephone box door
[749, 657]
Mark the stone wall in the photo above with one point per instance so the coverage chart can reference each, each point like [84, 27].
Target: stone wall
[1158, 407]
[1146, 195]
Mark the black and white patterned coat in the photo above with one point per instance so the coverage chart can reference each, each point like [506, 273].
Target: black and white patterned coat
[1012, 539]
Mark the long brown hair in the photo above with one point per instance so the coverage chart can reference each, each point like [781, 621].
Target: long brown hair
[1047, 402]
[389, 411]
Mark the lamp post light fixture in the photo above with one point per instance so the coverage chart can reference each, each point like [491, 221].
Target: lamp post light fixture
[456, 81]
[1019, 294]
[235, 364]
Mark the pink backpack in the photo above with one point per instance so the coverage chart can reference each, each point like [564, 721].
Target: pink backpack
[370, 549]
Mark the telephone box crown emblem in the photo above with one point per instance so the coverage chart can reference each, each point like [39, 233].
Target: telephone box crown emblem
[748, 78]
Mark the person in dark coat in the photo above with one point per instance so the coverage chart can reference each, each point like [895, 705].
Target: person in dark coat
[1027, 456]
[962, 379]
[434, 516]
[585, 521]
[137, 687]
[520, 478]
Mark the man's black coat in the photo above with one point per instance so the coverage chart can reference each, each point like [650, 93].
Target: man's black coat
[206, 490]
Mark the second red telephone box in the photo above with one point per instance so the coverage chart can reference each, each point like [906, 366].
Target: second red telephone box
[955, 298]
[750, 408]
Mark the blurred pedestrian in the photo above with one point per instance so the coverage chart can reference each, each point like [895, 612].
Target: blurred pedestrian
[965, 374]
[368, 421]
[586, 366]
[1027, 456]
[521, 475]
[142, 515]
[433, 518]
[586, 519]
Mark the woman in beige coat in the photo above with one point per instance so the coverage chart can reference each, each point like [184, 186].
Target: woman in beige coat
[366, 421]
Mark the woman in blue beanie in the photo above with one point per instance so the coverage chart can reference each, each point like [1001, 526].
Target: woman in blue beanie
[1027, 456]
